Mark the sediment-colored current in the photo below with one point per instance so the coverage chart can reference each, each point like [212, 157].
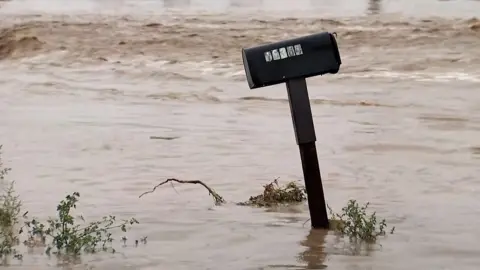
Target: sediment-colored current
[85, 84]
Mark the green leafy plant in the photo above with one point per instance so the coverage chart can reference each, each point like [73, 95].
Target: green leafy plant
[356, 224]
[3, 171]
[10, 207]
[62, 235]
[70, 238]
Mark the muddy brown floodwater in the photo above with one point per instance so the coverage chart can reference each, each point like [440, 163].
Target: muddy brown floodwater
[85, 85]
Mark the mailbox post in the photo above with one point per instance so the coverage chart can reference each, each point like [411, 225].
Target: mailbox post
[291, 62]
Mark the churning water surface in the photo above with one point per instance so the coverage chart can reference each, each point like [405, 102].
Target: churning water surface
[85, 84]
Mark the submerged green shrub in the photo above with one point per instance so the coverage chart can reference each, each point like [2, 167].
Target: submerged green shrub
[354, 222]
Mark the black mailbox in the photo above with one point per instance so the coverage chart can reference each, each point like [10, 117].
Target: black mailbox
[302, 57]
[290, 62]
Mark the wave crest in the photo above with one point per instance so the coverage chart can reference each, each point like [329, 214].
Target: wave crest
[14, 43]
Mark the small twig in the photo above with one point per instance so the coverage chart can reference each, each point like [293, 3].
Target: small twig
[218, 199]
[173, 186]
[276, 181]
[305, 222]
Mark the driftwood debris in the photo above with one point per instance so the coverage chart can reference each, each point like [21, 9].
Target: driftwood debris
[273, 193]
[216, 197]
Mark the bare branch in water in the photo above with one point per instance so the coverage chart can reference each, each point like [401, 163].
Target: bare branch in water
[217, 198]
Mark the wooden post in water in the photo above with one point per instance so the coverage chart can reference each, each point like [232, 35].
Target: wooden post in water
[305, 135]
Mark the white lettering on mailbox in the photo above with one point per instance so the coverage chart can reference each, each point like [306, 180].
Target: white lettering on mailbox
[275, 54]
[282, 53]
[298, 49]
[268, 56]
[291, 51]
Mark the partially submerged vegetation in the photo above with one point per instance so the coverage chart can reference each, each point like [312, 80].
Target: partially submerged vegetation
[65, 234]
[3, 170]
[70, 235]
[217, 198]
[275, 194]
[10, 207]
[353, 222]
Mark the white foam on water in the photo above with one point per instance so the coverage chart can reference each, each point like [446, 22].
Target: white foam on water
[50, 6]
[417, 76]
[264, 7]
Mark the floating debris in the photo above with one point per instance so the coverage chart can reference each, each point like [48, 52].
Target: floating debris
[274, 194]
[163, 138]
